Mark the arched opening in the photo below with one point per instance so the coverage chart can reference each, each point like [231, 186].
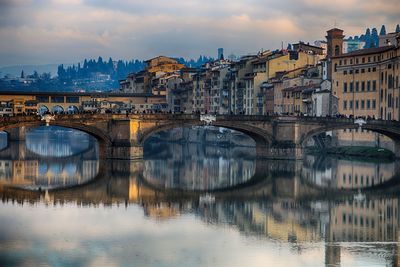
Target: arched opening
[199, 158]
[59, 142]
[43, 109]
[57, 110]
[50, 157]
[72, 110]
[352, 140]
[350, 158]
[337, 50]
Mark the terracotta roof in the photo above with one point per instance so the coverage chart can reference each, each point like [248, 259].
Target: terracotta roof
[367, 51]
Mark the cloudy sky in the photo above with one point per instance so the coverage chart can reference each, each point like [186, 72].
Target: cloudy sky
[66, 31]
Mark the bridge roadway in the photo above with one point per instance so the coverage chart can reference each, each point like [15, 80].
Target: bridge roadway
[123, 136]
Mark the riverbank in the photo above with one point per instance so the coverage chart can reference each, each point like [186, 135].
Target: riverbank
[355, 152]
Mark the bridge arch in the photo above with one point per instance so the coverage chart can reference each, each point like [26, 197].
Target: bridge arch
[103, 138]
[57, 109]
[72, 109]
[380, 127]
[43, 109]
[261, 138]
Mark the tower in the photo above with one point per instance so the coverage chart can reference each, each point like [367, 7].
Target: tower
[220, 53]
[334, 39]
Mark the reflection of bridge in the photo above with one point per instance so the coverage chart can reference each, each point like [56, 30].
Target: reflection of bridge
[17, 150]
[21, 167]
[284, 218]
[123, 181]
[123, 136]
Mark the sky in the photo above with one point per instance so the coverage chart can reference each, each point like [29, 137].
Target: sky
[67, 31]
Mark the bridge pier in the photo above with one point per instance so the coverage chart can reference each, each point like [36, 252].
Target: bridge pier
[293, 152]
[17, 134]
[128, 152]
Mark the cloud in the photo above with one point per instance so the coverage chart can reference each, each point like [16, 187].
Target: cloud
[61, 31]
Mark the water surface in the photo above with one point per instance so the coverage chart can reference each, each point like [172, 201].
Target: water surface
[63, 207]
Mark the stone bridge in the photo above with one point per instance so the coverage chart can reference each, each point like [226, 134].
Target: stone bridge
[123, 136]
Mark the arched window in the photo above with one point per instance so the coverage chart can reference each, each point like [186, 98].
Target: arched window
[337, 50]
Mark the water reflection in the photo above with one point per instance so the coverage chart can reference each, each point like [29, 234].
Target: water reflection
[3, 140]
[57, 141]
[287, 213]
[33, 165]
[196, 166]
[347, 173]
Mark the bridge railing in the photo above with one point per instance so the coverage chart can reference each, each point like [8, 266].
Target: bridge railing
[242, 118]
[17, 119]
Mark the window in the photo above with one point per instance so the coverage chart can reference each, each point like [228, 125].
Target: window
[337, 50]
[42, 99]
[344, 104]
[357, 86]
[368, 85]
[363, 86]
[374, 69]
[356, 104]
[391, 81]
[72, 99]
[57, 99]
[362, 104]
[345, 72]
[362, 70]
[351, 104]
[345, 87]
[350, 71]
[373, 85]
[368, 104]
[373, 104]
[351, 86]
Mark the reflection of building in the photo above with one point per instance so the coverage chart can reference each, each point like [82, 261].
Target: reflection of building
[193, 166]
[365, 221]
[341, 173]
[47, 174]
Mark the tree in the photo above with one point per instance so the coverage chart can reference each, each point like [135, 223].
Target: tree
[45, 76]
[398, 28]
[383, 30]
[61, 72]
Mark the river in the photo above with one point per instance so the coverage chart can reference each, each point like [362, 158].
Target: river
[191, 204]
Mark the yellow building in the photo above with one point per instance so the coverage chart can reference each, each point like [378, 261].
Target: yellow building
[267, 66]
[366, 82]
[163, 64]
